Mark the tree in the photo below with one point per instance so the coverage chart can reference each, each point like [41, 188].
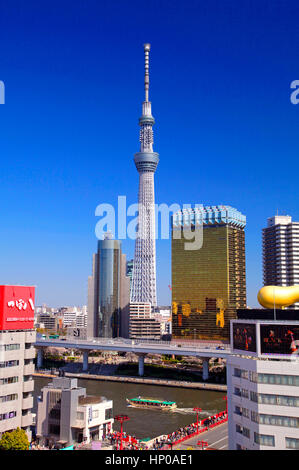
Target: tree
[14, 440]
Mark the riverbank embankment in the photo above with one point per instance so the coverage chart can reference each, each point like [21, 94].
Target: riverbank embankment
[144, 381]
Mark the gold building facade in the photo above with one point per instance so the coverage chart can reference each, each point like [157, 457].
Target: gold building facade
[208, 284]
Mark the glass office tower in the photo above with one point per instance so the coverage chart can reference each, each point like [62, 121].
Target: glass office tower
[208, 284]
[108, 291]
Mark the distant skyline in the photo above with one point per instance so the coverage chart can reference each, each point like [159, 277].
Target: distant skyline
[226, 130]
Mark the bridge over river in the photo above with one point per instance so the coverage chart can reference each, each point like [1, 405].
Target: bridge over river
[202, 350]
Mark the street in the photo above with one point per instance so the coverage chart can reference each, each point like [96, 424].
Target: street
[217, 438]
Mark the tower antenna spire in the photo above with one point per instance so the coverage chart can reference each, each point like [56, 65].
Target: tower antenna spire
[147, 48]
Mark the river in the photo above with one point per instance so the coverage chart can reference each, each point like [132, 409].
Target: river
[149, 423]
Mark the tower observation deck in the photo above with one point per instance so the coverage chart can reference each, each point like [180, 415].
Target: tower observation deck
[146, 161]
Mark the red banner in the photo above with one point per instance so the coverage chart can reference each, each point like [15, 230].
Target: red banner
[17, 307]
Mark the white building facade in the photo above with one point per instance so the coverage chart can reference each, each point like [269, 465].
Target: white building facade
[17, 353]
[66, 415]
[263, 389]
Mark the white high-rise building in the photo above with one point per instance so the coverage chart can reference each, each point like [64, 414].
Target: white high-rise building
[281, 252]
[144, 270]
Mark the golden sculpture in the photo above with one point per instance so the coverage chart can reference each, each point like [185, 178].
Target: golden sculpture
[220, 318]
[278, 296]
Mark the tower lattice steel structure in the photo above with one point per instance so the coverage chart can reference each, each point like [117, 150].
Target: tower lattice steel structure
[146, 161]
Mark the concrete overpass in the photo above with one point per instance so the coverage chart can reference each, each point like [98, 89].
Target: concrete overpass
[204, 351]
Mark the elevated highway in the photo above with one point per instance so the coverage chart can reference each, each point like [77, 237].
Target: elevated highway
[204, 351]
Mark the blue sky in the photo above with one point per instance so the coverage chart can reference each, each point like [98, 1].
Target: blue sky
[226, 131]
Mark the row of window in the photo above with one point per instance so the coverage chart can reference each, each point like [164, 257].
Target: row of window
[12, 380]
[272, 420]
[8, 380]
[95, 414]
[265, 399]
[9, 347]
[11, 397]
[9, 415]
[9, 364]
[272, 379]
[265, 440]
[280, 400]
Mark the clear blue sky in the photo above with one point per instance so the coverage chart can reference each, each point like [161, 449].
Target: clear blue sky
[226, 131]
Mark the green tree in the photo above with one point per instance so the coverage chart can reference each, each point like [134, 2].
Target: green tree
[14, 440]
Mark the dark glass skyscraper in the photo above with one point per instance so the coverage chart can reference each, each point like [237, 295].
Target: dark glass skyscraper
[208, 284]
[108, 291]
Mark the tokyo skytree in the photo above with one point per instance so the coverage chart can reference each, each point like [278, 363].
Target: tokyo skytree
[146, 161]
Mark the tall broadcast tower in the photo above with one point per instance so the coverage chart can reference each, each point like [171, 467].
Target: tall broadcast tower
[146, 161]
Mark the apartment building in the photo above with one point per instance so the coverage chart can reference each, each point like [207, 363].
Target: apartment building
[281, 253]
[143, 324]
[17, 353]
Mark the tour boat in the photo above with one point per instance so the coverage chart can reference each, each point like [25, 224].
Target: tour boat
[151, 403]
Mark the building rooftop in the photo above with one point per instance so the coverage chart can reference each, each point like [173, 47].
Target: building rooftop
[209, 215]
[91, 400]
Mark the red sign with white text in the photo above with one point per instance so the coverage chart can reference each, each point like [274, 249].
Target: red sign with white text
[17, 307]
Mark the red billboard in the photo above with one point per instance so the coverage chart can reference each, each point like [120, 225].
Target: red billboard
[17, 307]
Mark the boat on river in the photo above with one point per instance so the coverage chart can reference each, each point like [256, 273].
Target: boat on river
[151, 403]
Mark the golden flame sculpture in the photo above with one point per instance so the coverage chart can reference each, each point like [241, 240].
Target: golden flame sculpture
[278, 296]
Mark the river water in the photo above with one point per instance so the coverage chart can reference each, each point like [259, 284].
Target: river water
[149, 423]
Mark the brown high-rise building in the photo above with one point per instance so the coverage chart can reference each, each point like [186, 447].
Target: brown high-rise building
[208, 284]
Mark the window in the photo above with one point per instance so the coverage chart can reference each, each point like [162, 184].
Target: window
[8, 364]
[292, 443]
[5, 398]
[80, 415]
[253, 376]
[108, 413]
[238, 428]
[254, 397]
[242, 430]
[241, 373]
[264, 440]
[9, 415]
[95, 414]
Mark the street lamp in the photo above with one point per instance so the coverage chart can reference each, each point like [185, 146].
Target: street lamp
[225, 398]
[202, 444]
[121, 419]
[197, 409]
